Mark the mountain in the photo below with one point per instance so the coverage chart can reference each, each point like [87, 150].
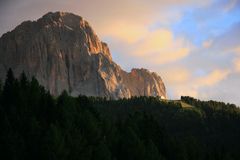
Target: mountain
[64, 53]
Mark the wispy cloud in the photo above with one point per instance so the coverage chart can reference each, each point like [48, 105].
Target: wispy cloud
[213, 78]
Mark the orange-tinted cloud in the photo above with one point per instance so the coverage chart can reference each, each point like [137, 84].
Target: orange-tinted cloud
[237, 64]
[124, 31]
[236, 61]
[176, 75]
[213, 78]
[160, 47]
[207, 44]
[182, 82]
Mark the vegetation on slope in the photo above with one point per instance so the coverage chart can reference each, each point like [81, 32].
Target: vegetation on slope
[35, 125]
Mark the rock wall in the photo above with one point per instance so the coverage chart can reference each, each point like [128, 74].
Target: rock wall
[63, 52]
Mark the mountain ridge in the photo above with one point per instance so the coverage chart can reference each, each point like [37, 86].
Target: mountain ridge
[64, 53]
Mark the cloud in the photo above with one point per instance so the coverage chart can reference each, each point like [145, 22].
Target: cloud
[186, 69]
[211, 67]
[155, 42]
[160, 47]
[213, 78]
[237, 64]
[226, 90]
[154, 47]
[236, 50]
[236, 60]
[228, 40]
[100, 13]
[176, 75]
[185, 91]
[207, 44]
[219, 66]
[124, 31]
[170, 55]
[179, 81]
[184, 83]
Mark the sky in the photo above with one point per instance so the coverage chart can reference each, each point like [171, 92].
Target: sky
[193, 45]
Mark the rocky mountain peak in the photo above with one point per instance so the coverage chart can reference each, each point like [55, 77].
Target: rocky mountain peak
[64, 53]
[64, 19]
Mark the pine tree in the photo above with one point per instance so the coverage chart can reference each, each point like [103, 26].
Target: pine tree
[55, 144]
[24, 81]
[10, 89]
[9, 82]
[101, 152]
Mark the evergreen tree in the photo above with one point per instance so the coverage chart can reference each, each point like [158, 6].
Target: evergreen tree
[36, 125]
[24, 81]
[152, 152]
[101, 152]
[9, 86]
[55, 144]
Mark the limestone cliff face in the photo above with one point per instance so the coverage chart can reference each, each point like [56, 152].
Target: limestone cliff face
[63, 52]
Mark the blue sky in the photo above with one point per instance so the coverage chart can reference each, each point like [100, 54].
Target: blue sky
[193, 45]
[203, 23]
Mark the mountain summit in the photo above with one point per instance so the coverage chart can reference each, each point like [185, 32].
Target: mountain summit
[64, 53]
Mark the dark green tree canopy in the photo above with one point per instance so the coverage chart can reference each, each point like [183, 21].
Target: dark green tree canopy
[36, 125]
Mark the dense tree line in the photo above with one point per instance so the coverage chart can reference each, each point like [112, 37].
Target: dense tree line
[36, 125]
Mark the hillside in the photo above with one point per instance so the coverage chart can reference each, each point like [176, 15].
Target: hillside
[36, 125]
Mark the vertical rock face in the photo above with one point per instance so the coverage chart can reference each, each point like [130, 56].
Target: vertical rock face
[63, 52]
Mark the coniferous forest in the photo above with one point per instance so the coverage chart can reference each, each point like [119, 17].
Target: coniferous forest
[36, 125]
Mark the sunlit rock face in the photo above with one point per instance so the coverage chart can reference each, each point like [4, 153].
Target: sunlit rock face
[63, 52]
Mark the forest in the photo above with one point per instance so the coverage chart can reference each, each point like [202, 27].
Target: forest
[36, 125]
